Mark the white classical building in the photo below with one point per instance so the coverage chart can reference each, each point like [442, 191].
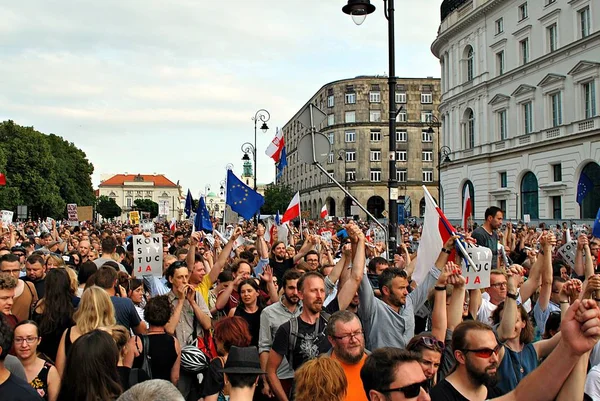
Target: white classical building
[519, 106]
[126, 188]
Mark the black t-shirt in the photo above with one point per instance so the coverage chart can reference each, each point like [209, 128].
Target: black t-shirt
[17, 389]
[40, 286]
[279, 268]
[444, 391]
[125, 312]
[214, 381]
[483, 238]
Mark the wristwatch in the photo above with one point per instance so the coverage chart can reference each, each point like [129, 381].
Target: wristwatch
[511, 296]
[439, 288]
[448, 251]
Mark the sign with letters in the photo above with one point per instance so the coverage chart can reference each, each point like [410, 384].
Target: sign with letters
[7, 218]
[134, 216]
[148, 255]
[163, 207]
[478, 277]
[72, 212]
[567, 253]
[147, 225]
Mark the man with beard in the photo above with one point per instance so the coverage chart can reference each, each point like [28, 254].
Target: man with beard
[271, 318]
[345, 333]
[486, 234]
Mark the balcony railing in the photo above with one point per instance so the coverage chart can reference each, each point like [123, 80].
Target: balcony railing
[448, 6]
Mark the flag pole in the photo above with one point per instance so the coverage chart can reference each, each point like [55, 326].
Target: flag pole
[457, 243]
[300, 217]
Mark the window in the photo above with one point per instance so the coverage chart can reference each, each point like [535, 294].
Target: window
[426, 136]
[374, 97]
[557, 172]
[470, 64]
[330, 158]
[350, 175]
[500, 62]
[523, 11]
[350, 155]
[401, 175]
[584, 21]
[400, 97]
[502, 125]
[331, 119]
[401, 117]
[401, 155]
[589, 99]
[548, 2]
[401, 136]
[499, 25]
[375, 136]
[527, 118]
[551, 33]
[524, 46]
[529, 196]
[375, 155]
[427, 176]
[556, 207]
[427, 156]
[350, 117]
[426, 116]
[350, 98]
[375, 116]
[350, 136]
[375, 175]
[502, 204]
[330, 135]
[470, 128]
[556, 100]
[330, 174]
[330, 101]
[426, 98]
[128, 202]
[503, 180]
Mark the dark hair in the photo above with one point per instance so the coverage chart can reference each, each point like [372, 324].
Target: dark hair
[105, 277]
[252, 283]
[311, 252]
[91, 369]
[171, 271]
[247, 256]
[235, 266]
[459, 337]
[491, 211]
[225, 276]
[78, 263]
[86, 270]
[376, 261]
[275, 246]
[527, 334]
[132, 283]
[6, 337]
[379, 369]
[290, 274]
[308, 275]
[552, 324]
[241, 380]
[109, 245]
[232, 331]
[58, 304]
[35, 258]
[120, 250]
[24, 322]
[386, 276]
[157, 311]
[417, 344]
[9, 257]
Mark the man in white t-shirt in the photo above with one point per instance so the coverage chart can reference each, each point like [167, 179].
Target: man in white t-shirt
[496, 294]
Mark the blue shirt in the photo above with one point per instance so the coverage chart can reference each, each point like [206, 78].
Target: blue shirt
[515, 366]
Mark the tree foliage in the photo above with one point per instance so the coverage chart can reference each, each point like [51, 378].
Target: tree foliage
[43, 172]
[277, 198]
[146, 205]
[107, 207]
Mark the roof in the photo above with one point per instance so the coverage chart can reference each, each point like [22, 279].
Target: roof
[117, 180]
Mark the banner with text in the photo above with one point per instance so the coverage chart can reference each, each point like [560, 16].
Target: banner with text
[72, 212]
[163, 207]
[567, 253]
[148, 256]
[7, 218]
[478, 277]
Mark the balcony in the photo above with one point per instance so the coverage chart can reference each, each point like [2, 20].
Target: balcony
[448, 6]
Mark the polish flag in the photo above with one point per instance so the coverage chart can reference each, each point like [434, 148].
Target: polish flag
[2, 179]
[276, 146]
[436, 231]
[293, 209]
[467, 208]
[324, 212]
[173, 224]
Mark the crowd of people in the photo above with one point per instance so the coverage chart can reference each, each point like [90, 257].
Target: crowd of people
[325, 314]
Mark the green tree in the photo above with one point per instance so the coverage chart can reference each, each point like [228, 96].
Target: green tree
[146, 205]
[107, 207]
[277, 197]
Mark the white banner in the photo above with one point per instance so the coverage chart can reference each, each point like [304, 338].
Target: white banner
[567, 253]
[7, 218]
[478, 277]
[147, 225]
[148, 256]
[163, 207]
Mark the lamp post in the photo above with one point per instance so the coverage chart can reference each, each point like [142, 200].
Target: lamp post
[342, 156]
[443, 157]
[263, 116]
[359, 9]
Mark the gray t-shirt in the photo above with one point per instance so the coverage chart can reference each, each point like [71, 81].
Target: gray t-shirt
[483, 238]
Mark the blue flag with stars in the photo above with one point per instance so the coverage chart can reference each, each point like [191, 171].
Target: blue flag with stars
[282, 162]
[243, 200]
[584, 186]
[188, 205]
[596, 229]
[202, 220]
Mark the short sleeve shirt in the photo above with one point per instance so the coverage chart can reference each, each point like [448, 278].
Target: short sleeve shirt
[483, 238]
[125, 312]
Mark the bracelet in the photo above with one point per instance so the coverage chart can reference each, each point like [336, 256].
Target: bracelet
[564, 302]
[511, 296]
[438, 288]
[446, 251]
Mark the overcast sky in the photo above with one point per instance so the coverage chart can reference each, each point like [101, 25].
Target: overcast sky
[145, 86]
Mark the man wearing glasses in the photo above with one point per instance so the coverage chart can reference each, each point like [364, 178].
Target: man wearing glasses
[25, 293]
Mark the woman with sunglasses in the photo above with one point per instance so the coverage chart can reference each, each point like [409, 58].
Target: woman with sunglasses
[41, 375]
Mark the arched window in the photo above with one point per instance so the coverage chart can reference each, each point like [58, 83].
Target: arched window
[529, 196]
[422, 207]
[591, 202]
[470, 63]
[469, 129]
[471, 195]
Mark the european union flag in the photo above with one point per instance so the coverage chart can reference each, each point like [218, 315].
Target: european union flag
[188, 204]
[282, 162]
[242, 199]
[278, 219]
[596, 229]
[584, 186]
[202, 220]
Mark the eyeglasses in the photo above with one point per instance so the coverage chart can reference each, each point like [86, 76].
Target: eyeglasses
[483, 352]
[499, 285]
[28, 340]
[346, 337]
[432, 343]
[410, 391]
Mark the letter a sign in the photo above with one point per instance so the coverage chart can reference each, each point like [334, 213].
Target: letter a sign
[147, 255]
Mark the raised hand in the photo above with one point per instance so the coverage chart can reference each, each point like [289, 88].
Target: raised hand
[237, 232]
[267, 274]
[260, 230]
[514, 273]
[580, 327]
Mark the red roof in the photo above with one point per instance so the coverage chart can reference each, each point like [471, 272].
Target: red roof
[118, 180]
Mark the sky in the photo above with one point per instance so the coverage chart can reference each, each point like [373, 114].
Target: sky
[147, 86]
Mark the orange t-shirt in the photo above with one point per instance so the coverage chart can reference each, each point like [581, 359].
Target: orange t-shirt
[356, 391]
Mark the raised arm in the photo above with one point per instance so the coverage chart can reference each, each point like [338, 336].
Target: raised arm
[342, 263]
[579, 265]
[349, 288]
[217, 268]
[588, 262]
[509, 314]
[530, 286]
[457, 301]
[261, 244]
[267, 276]
[439, 318]
[309, 243]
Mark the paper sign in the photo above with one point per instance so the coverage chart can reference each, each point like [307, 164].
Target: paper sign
[147, 225]
[7, 218]
[148, 256]
[527, 218]
[326, 235]
[72, 212]
[134, 217]
[579, 229]
[163, 207]
[379, 234]
[478, 277]
[567, 253]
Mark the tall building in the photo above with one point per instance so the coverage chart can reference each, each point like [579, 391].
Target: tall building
[357, 129]
[519, 106]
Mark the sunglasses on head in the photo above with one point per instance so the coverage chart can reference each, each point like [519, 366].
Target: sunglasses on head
[410, 391]
[483, 352]
[432, 343]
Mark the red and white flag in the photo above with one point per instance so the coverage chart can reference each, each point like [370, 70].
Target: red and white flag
[324, 212]
[293, 209]
[173, 224]
[276, 146]
[467, 208]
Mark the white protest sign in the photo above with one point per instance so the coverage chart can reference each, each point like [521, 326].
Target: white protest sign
[326, 235]
[147, 225]
[478, 277]
[7, 218]
[163, 207]
[567, 253]
[148, 256]
[72, 211]
[379, 234]
[527, 218]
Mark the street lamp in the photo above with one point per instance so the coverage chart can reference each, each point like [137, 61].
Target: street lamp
[263, 116]
[444, 153]
[359, 9]
[342, 156]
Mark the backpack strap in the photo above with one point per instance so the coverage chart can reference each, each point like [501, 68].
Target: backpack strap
[292, 341]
